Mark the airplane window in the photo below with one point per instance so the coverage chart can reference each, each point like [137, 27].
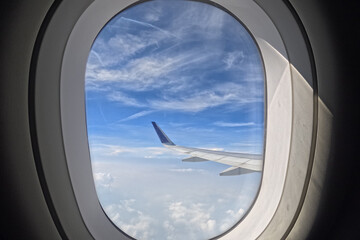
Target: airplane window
[175, 119]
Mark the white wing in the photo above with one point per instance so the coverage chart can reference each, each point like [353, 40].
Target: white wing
[240, 163]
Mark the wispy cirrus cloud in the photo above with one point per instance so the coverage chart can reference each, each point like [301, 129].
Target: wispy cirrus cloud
[136, 115]
[117, 96]
[149, 25]
[233, 124]
[234, 58]
[151, 72]
[189, 104]
[170, 66]
[120, 47]
[128, 44]
[205, 20]
[232, 94]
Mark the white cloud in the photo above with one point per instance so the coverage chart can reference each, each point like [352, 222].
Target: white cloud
[207, 20]
[234, 58]
[109, 56]
[136, 115]
[232, 124]
[149, 25]
[152, 17]
[103, 181]
[127, 44]
[107, 150]
[148, 202]
[170, 229]
[110, 150]
[234, 214]
[214, 148]
[132, 221]
[247, 144]
[186, 170]
[228, 93]
[194, 216]
[194, 103]
[98, 58]
[151, 72]
[157, 151]
[96, 87]
[233, 217]
[116, 67]
[117, 96]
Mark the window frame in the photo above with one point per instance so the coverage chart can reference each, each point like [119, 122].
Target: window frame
[279, 124]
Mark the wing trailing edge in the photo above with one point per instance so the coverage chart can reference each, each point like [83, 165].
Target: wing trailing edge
[194, 159]
[231, 171]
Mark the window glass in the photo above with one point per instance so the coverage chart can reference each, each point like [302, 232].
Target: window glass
[194, 70]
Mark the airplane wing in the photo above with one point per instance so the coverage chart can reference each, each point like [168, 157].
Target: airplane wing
[241, 163]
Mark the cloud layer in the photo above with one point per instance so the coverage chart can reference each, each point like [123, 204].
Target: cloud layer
[147, 212]
[184, 63]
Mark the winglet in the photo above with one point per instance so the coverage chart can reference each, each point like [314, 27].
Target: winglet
[163, 138]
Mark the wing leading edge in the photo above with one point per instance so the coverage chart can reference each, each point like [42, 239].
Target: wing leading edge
[241, 163]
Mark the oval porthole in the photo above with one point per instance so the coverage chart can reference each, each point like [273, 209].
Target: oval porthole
[175, 119]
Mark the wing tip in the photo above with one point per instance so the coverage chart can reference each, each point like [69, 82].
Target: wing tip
[162, 136]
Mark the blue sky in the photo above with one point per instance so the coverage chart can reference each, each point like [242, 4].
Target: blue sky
[196, 71]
